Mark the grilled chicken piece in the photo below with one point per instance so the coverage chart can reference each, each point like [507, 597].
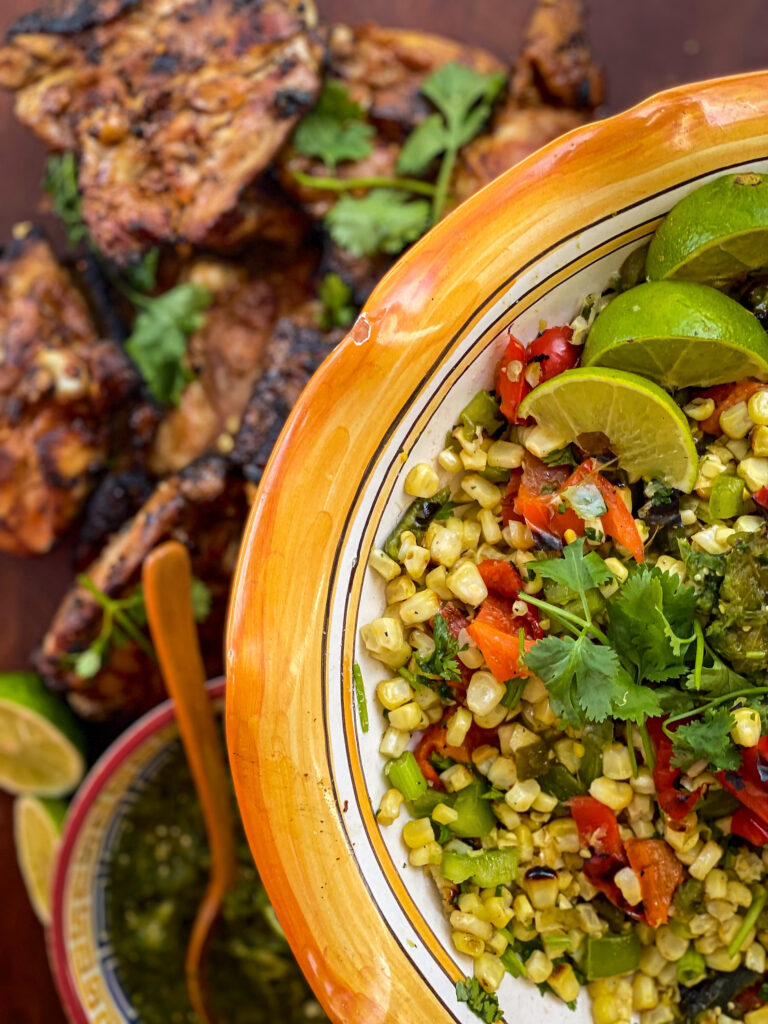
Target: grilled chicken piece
[58, 380]
[205, 506]
[556, 87]
[173, 106]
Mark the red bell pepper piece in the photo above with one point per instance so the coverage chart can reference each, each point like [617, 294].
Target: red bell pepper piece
[747, 784]
[598, 826]
[745, 823]
[674, 801]
[511, 385]
[500, 577]
[553, 351]
[601, 871]
[761, 497]
[434, 742]
[508, 512]
[725, 396]
[618, 522]
[501, 650]
[660, 873]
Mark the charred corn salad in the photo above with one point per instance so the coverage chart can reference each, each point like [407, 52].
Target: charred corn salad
[573, 653]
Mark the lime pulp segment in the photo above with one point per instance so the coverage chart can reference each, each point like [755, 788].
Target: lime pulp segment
[37, 829]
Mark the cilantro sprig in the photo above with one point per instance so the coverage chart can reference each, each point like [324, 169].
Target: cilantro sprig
[339, 309]
[335, 129]
[442, 662]
[484, 1005]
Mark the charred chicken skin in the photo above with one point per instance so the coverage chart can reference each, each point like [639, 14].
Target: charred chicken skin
[173, 106]
[58, 381]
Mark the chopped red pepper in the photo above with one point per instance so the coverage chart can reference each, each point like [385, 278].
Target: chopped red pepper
[674, 801]
[598, 826]
[511, 385]
[601, 871]
[500, 577]
[749, 826]
[618, 522]
[499, 612]
[434, 742]
[747, 784]
[660, 873]
[501, 650]
[553, 351]
[761, 497]
[508, 512]
[725, 396]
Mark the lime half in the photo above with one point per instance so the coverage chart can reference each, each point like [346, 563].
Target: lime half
[646, 431]
[716, 234]
[37, 831]
[41, 746]
[680, 334]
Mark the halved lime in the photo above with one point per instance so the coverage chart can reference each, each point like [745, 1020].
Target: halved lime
[716, 234]
[37, 824]
[646, 431]
[41, 745]
[680, 334]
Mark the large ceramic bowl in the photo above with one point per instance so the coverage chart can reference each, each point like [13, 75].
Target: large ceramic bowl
[366, 927]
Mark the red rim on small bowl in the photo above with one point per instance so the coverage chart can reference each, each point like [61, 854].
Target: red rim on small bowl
[78, 949]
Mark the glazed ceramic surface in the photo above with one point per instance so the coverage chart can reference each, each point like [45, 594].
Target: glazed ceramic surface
[366, 927]
[83, 963]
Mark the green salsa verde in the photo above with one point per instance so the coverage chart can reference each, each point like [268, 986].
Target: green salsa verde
[156, 876]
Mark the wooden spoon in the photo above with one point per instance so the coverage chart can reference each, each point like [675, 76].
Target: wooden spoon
[167, 580]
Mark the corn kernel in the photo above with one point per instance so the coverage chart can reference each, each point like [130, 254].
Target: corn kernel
[471, 924]
[671, 946]
[415, 561]
[616, 795]
[435, 580]
[643, 782]
[489, 971]
[466, 583]
[736, 421]
[385, 640]
[759, 441]
[674, 566]
[393, 742]
[754, 958]
[473, 461]
[545, 803]
[393, 692]
[422, 481]
[389, 809]
[485, 493]
[484, 693]
[417, 833]
[538, 967]
[430, 853]
[449, 460]
[445, 546]
[490, 526]
[706, 860]
[699, 409]
[505, 455]
[645, 994]
[629, 884]
[502, 774]
[616, 762]
[757, 407]
[457, 727]
[721, 961]
[542, 442]
[399, 589]
[384, 565]
[524, 843]
[521, 796]
[651, 961]
[618, 568]
[711, 540]
[406, 718]
[423, 606]
[564, 982]
[468, 944]
[455, 778]
[754, 472]
[518, 536]
[746, 728]
[492, 719]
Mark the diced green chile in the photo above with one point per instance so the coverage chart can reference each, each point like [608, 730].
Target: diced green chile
[691, 968]
[718, 803]
[559, 782]
[486, 869]
[532, 760]
[423, 805]
[726, 499]
[475, 815]
[482, 411]
[715, 992]
[611, 954]
[594, 736]
[404, 774]
[416, 518]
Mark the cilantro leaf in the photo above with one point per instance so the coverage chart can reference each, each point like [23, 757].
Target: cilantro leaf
[338, 308]
[561, 457]
[484, 1005]
[442, 661]
[646, 617]
[705, 573]
[575, 570]
[427, 141]
[707, 739]
[716, 679]
[142, 276]
[384, 220]
[158, 342]
[335, 129]
[60, 182]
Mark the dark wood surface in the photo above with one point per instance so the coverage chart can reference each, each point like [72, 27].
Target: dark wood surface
[644, 46]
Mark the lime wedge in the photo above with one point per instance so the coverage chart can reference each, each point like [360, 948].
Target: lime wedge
[716, 234]
[646, 431]
[37, 830]
[680, 334]
[41, 746]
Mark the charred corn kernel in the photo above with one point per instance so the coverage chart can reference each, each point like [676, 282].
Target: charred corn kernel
[497, 912]
[455, 778]
[393, 692]
[430, 853]
[406, 718]
[422, 481]
[502, 773]
[424, 605]
[485, 493]
[483, 757]
[671, 565]
[706, 860]
[383, 564]
[471, 924]
[616, 762]
[393, 742]
[484, 693]
[400, 589]
[629, 884]
[711, 540]
[754, 958]
[757, 407]
[473, 461]
[489, 524]
[457, 727]
[505, 455]
[524, 842]
[746, 727]
[389, 809]
[564, 982]
[538, 967]
[545, 803]
[416, 561]
[736, 421]
[616, 795]
[518, 536]
[643, 782]
[645, 994]
[466, 583]
[470, 903]
[445, 547]
[449, 460]
[651, 961]
[418, 832]
[469, 944]
[542, 442]
[699, 409]
[385, 640]
[489, 971]
[754, 472]
[521, 796]
[721, 961]
[670, 946]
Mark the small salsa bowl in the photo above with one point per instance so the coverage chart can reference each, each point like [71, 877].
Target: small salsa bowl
[80, 952]
[366, 927]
